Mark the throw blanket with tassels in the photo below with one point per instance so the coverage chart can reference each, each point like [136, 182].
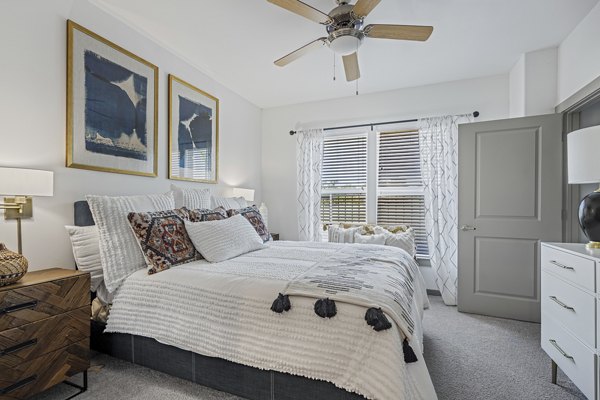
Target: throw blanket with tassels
[380, 279]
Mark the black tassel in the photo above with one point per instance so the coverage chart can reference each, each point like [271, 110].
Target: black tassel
[409, 354]
[281, 304]
[377, 319]
[325, 308]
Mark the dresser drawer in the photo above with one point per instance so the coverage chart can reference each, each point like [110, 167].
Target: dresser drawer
[578, 270]
[27, 304]
[33, 340]
[573, 307]
[43, 372]
[576, 360]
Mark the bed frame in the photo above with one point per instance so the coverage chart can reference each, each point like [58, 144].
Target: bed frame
[241, 380]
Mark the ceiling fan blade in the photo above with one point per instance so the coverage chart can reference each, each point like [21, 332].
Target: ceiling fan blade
[296, 54]
[351, 67]
[303, 9]
[399, 32]
[362, 8]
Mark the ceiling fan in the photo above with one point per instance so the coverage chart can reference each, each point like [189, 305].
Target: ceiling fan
[346, 31]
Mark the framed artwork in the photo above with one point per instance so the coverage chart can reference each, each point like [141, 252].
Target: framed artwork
[193, 133]
[112, 106]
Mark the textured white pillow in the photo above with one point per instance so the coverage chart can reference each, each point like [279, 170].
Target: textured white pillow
[86, 250]
[337, 234]
[119, 250]
[228, 203]
[191, 198]
[221, 240]
[403, 240]
[369, 239]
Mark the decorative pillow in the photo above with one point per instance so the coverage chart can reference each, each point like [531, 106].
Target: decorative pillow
[119, 249]
[404, 240]
[86, 250]
[191, 198]
[221, 240]
[337, 234]
[369, 239]
[253, 216]
[228, 203]
[163, 238]
[204, 214]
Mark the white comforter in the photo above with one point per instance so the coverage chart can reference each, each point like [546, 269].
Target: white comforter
[223, 310]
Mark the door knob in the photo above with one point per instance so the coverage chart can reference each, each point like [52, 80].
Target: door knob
[467, 228]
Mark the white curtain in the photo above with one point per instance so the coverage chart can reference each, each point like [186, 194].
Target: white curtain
[438, 141]
[309, 158]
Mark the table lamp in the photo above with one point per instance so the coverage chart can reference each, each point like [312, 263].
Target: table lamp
[584, 167]
[20, 185]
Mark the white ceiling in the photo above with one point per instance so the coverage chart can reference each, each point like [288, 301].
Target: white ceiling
[236, 42]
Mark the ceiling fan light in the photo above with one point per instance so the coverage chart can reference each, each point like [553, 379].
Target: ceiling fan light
[344, 45]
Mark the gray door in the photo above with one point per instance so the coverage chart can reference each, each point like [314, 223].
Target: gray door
[510, 199]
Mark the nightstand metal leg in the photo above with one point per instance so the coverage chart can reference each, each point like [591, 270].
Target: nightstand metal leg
[82, 388]
[554, 372]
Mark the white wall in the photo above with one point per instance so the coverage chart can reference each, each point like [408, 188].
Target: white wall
[488, 95]
[32, 123]
[579, 56]
[516, 89]
[532, 83]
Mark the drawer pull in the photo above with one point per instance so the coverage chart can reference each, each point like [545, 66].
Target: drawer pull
[561, 265]
[560, 303]
[17, 385]
[561, 351]
[18, 307]
[18, 347]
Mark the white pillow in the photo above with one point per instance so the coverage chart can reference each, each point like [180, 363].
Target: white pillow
[337, 234]
[403, 240]
[228, 203]
[191, 198]
[86, 250]
[119, 250]
[224, 239]
[369, 239]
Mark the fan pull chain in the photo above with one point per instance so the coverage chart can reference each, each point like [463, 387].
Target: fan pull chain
[334, 66]
[356, 87]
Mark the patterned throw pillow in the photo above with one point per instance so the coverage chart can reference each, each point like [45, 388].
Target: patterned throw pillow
[163, 238]
[204, 214]
[256, 220]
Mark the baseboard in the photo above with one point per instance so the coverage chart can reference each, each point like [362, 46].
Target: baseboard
[432, 292]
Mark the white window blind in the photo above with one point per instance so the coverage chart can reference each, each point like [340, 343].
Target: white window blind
[400, 186]
[344, 179]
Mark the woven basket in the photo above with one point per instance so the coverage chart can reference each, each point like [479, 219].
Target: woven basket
[12, 266]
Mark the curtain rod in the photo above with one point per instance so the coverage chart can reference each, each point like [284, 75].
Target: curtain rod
[475, 115]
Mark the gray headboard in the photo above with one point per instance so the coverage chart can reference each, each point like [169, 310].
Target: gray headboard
[82, 214]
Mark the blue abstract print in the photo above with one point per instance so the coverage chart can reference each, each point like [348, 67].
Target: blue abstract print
[195, 137]
[115, 109]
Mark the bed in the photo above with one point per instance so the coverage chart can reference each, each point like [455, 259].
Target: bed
[211, 324]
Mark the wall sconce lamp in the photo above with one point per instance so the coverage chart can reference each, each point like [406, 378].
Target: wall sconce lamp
[21, 184]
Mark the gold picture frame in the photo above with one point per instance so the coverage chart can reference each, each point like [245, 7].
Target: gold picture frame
[203, 108]
[133, 152]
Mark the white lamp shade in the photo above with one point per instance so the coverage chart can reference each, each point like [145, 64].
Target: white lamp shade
[247, 194]
[26, 182]
[583, 155]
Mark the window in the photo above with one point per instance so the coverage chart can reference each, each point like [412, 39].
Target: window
[344, 179]
[399, 184]
[391, 170]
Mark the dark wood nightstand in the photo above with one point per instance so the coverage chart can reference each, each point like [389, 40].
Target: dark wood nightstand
[275, 236]
[44, 332]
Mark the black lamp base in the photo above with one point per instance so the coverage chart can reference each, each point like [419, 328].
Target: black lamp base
[589, 218]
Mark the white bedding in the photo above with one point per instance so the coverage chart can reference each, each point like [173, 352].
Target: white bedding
[223, 310]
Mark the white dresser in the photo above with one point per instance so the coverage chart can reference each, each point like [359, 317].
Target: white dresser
[570, 308]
